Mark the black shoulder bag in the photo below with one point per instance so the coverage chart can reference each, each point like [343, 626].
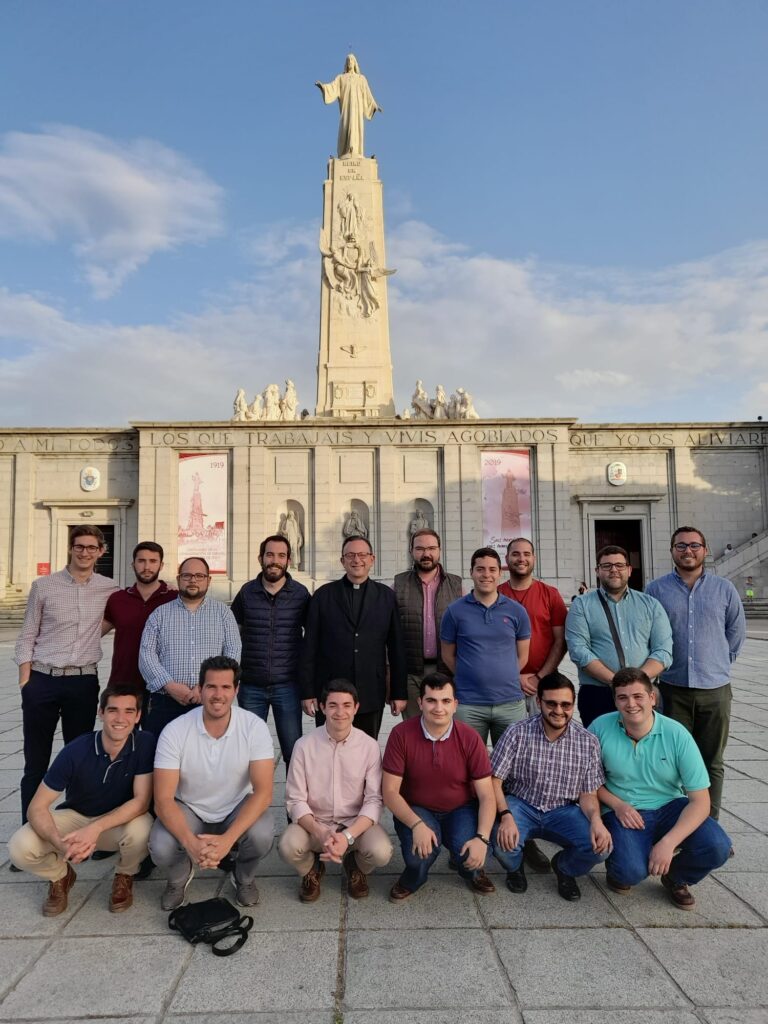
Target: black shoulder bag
[614, 631]
[212, 921]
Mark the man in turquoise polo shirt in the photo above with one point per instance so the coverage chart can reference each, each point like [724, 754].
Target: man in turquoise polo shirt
[657, 795]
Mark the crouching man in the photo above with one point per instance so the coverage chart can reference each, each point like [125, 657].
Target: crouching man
[657, 792]
[546, 773]
[106, 777]
[333, 796]
[437, 783]
[213, 788]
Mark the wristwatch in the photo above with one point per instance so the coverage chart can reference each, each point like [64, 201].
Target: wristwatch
[349, 837]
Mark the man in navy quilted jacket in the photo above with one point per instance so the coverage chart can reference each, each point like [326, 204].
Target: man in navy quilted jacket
[270, 612]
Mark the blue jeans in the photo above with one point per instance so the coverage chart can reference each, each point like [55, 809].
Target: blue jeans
[567, 826]
[452, 828]
[704, 850]
[284, 700]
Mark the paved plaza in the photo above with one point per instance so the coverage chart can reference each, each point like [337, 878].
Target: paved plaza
[444, 957]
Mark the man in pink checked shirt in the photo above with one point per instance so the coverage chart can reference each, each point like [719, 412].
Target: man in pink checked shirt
[333, 798]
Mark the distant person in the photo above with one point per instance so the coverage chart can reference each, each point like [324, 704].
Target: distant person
[611, 627]
[708, 630]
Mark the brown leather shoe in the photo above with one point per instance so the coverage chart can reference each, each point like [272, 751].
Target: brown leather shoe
[357, 883]
[535, 858]
[56, 901]
[122, 894]
[398, 893]
[618, 887]
[680, 894]
[309, 891]
[481, 883]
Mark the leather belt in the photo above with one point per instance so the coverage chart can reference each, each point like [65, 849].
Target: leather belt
[67, 670]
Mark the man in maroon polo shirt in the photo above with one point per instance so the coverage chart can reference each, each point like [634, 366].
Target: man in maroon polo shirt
[128, 610]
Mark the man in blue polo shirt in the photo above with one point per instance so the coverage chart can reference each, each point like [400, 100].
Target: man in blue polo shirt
[484, 642]
[107, 777]
[657, 794]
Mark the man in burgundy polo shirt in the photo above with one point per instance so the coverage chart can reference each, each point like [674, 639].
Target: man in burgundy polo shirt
[128, 610]
[437, 784]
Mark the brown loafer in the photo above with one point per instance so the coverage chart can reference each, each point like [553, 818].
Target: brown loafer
[56, 901]
[398, 893]
[481, 883]
[122, 894]
[535, 858]
[309, 891]
[680, 894]
[618, 887]
[357, 883]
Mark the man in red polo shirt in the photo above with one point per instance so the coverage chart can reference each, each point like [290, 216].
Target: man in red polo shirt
[128, 610]
[546, 610]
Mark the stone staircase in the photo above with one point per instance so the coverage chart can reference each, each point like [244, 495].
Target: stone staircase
[756, 609]
[12, 610]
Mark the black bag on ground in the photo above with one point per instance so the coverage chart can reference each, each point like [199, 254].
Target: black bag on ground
[212, 921]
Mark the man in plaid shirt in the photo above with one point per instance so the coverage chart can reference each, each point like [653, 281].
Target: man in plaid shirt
[546, 773]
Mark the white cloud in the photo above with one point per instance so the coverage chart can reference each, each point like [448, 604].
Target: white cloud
[114, 204]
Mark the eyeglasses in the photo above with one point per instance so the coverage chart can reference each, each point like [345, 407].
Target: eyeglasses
[610, 566]
[85, 549]
[355, 556]
[696, 546]
[187, 577]
[552, 705]
[426, 550]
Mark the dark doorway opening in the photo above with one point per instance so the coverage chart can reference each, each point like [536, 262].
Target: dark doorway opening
[627, 534]
[106, 564]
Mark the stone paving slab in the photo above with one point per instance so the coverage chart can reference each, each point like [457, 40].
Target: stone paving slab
[144, 918]
[744, 791]
[20, 913]
[750, 854]
[610, 1017]
[16, 956]
[542, 907]
[754, 768]
[721, 1016]
[507, 1016]
[302, 1017]
[444, 902]
[648, 906]
[752, 888]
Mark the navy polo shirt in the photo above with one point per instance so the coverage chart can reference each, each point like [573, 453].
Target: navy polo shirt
[95, 785]
[487, 671]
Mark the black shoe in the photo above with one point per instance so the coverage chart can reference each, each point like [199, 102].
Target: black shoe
[227, 863]
[516, 880]
[146, 868]
[12, 867]
[102, 854]
[566, 884]
[453, 864]
[535, 858]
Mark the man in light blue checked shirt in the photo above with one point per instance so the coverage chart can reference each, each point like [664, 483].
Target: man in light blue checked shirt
[177, 639]
[709, 630]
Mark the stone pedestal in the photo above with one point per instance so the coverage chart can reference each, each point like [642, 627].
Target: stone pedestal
[354, 371]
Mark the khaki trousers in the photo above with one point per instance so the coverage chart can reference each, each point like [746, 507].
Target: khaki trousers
[31, 853]
[372, 850]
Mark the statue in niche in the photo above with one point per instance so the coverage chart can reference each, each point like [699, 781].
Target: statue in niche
[350, 217]
[440, 404]
[422, 407]
[240, 407]
[289, 402]
[356, 105]
[354, 526]
[290, 529]
[418, 522]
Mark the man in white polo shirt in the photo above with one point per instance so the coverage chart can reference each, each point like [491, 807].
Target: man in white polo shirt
[213, 788]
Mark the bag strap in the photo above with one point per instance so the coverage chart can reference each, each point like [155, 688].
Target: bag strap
[240, 929]
[614, 631]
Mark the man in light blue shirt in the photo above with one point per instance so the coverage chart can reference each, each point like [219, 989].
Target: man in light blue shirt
[709, 629]
[642, 628]
[656, 792]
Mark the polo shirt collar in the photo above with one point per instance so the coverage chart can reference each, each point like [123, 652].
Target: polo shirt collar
[98, 744]
[653, 731]
[430, 737]
[473, 600]
[227, 732]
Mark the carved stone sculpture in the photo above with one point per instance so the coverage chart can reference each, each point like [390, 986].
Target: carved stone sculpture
[350, 217]
[352, 274]
[440, 404]
[422, 408]
[418, 522]
[256, 408]
[291, 530]
[289, 403]
[267, 405]
[354, 526]
[356, 105]
[240, 407]
[458, 407]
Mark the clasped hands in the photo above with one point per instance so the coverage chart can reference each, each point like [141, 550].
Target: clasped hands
[182, 693]
[208, 850]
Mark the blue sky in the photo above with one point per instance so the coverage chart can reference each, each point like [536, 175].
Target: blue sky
[575, 203]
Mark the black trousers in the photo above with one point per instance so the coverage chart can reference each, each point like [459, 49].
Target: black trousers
[594, 701]
[44, 700]
[368, 722]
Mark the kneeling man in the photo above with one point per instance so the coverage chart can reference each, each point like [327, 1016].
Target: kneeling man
[657, 792]
[546, 773]
[107, 779]
[333, 796]
[213, 788]
[437, 783]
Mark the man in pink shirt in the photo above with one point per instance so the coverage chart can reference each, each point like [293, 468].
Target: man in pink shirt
[333, 798]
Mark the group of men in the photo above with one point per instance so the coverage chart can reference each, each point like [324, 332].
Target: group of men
[192, 681]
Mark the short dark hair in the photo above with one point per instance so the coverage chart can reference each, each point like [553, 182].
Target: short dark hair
[687, 529]
[194, 558]
[356, 536]
[554, 681]
[118, 690]
[484, 553]
[436, 681]
[516, 540]
[629, 675]
[219, 663]
[86, 531]
[426, 532]
[274, 538]
[611, 549]
[148, 545]
[339, 686]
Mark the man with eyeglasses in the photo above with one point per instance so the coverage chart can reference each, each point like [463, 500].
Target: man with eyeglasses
[423, 593]
[546, 774]
[57, 651]
[177, 639]
[709, 629]
[353, 632]
[613, 626]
